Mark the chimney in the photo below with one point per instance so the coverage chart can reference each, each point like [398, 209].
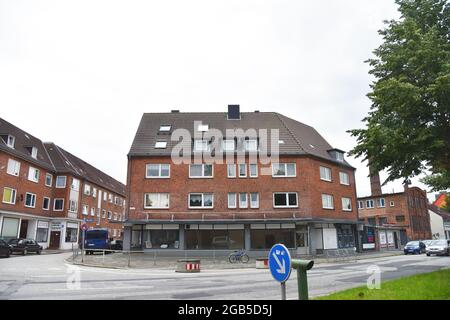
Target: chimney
[375, 185]
[233, 112]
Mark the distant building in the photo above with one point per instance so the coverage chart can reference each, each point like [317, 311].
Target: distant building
[395, 218]
[441, 200]
[440, 222]
[46, 192]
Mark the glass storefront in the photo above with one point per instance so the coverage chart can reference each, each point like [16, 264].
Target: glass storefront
[71, 232]
[10, 228]
[42, 231]
[214, 239]
[264, 239]
[345, 235]
[162, 239]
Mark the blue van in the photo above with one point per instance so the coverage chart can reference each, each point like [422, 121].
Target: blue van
[96, 239]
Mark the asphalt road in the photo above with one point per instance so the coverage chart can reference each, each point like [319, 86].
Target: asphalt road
[50, 277]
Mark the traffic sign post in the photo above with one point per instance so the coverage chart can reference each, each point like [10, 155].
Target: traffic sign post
[280, 266]
[84, 227]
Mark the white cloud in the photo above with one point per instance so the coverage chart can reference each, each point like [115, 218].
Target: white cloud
[82, 73]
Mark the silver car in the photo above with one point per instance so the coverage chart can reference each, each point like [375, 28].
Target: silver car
[439, 247]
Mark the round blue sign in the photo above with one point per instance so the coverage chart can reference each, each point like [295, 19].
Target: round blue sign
[280, 262]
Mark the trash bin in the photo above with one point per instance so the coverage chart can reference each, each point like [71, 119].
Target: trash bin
[262, 263]
[188, 265]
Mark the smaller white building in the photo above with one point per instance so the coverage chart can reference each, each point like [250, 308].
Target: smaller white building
[437, 224]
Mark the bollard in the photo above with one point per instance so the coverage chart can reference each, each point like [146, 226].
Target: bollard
[302, 279]
[129, 258]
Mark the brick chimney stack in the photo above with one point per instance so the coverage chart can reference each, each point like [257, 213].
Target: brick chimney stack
[375, 184]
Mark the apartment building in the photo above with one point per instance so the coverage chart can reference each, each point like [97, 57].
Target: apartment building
[394, 218]
[303, 196]
[47, 192]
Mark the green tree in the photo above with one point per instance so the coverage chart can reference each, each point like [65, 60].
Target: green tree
[408, 127]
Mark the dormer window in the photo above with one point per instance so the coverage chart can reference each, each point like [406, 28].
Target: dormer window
[34, 152]
[165, 128]
[203, 127]
[228, 145]
[201, 145]
[160, 144]
[340, 156]
[9, 140]
[250, 145]
[337, 154]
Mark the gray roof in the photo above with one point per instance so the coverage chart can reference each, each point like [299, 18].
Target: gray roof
[299, 138]
[54, 158]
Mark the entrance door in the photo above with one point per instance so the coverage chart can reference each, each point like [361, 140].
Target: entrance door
[302, 242]
[395, 240]
[23, 229]
[55, 237]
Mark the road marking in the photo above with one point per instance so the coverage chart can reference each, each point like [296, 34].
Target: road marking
[104, 288]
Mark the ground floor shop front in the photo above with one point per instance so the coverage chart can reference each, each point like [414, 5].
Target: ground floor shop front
[50, 233]
[303, 238]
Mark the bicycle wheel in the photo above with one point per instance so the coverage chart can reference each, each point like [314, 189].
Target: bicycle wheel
[244, 258]
[232, 258]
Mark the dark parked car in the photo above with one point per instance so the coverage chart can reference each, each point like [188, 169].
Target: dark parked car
[5, 249]
[24, 246]
[117, 245]
[415, 247]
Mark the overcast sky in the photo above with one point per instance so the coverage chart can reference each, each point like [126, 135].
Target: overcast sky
[81, 73]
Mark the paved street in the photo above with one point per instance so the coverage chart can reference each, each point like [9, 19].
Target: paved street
[46, 277]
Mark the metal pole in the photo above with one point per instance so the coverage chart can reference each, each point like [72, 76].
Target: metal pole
[82, 246]
[283, 290]
[103, 259]
[129, 258]
[302, 282]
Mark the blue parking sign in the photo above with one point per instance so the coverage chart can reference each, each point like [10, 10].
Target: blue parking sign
[280, 262]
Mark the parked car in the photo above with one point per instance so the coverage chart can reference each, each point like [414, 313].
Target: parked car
[427, 242]
[414, 247]
[24, 246]
[97, 239]
[117, 244]
[439, 247]
[5, 249]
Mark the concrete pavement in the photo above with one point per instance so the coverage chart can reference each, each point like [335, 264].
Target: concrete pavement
[50, 277]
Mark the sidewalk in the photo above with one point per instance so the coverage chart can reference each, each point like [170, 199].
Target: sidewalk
[151, 261]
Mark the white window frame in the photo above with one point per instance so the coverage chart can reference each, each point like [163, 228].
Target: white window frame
[340, 156]
[239, 170]
[287, 200]
[159, 200]
[392, 203]
[110, 198]
[325, 205]
[85, 210]
[232, 194]
[250, 165]
[94, 192]
[204, 144]
[350, 202]
[286, 175]
[360, 204]
[54, 204]
[15, 166]
[165, 128]
[109, 215]
[379, 203]
[257, 200]
[13, 193]
[160, 144]
[33, 196]
[327, 169]
[87, 189]
[367, 204]
[61, 186]
[245, 204]
[249, 142]
[234, 170]
[103, 214]
[203, 200]
[93, 211]
[75, 208]
[344, 174]
[226, 142]
[33, 178]
[43, 201]
[34, 152]
[105, 196]
[75, 185]
[159, 176]
[51, 180]
[10, 141]
[203, 171]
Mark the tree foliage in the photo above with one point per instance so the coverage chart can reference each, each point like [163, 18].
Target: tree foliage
[408, 127]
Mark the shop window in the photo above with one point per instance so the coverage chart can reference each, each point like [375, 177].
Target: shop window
[214, 239]
[162, 239]
[266, 238]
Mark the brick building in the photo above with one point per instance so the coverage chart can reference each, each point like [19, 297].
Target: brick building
[46, 192]
[305, 199]
[394, 218]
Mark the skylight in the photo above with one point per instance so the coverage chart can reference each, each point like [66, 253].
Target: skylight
[160, 144]
[165, 128]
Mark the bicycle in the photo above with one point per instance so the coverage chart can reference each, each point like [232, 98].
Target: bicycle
[238, 256]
